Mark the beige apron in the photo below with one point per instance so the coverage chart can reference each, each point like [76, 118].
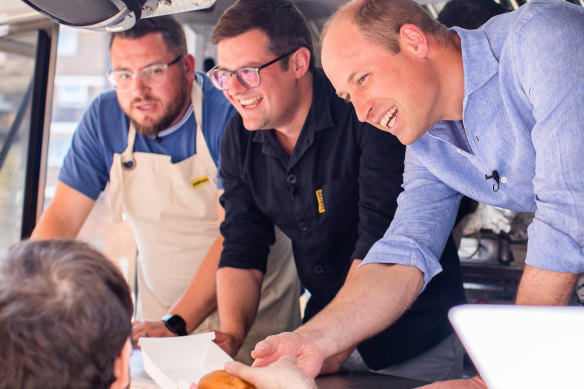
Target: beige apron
[172, 210]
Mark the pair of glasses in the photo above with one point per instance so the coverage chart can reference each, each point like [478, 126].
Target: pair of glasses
[152, 76]
[247, 76]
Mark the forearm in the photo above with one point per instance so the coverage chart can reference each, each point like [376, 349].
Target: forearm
[238, 295]
[51, 225]
[200, 298]
[544, 287]
[65, 216]
[360, 310]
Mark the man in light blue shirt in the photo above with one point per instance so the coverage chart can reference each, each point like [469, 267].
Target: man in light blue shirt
[495, 114]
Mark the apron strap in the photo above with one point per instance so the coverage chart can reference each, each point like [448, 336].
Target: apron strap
[202, 147]
[127, 159]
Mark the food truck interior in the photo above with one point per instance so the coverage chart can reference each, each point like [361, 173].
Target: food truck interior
[52, 63]
[49, 72]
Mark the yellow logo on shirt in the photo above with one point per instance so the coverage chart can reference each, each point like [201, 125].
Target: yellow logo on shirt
[199, 181]
[320, 200]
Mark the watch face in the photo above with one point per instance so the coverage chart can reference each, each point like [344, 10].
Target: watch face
[175, 324]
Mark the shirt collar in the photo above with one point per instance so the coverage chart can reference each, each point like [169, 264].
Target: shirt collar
[477, 59]
[175, 126]
[479, 65]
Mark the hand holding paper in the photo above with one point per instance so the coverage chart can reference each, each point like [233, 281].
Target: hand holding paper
[282, 374]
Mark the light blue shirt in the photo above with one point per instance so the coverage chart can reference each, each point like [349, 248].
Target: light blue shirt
[524, 117]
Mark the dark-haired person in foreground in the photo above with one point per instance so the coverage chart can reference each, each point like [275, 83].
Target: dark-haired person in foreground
[65, 322]
[65, 318]
[154, 139]
[494, 113]
[297, 157]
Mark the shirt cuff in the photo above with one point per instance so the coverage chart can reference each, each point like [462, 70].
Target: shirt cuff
[553, 250]
[404, 251]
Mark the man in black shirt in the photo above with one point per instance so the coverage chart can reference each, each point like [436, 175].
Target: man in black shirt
[297, 157]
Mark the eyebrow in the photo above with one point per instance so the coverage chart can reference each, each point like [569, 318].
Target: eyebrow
[144, 67]
[239, 67]
[351, 76]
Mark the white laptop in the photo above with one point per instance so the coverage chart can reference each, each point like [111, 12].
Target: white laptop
[516, 347]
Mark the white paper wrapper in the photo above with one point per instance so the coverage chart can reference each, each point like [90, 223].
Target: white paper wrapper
[179, 361]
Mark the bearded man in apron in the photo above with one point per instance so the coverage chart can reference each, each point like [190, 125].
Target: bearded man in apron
[156, 139]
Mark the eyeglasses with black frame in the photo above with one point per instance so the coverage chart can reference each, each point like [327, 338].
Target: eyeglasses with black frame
[152, 76]
[248, 76]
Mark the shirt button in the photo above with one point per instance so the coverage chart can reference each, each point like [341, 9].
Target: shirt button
[504, 180]
[319, 269]
[478, 140]
[292, 179]
[303, 226]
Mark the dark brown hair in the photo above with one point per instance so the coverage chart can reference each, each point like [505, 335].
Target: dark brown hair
[172, 33]
[65, 315]
[284, 25]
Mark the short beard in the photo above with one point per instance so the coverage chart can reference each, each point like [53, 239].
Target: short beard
[155, 128]
[170, 114]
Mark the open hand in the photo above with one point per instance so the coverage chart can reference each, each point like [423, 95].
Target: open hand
[309, 357]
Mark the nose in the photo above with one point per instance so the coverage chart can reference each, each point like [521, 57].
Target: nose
[235, 87]
[138, 86]
[362, 108]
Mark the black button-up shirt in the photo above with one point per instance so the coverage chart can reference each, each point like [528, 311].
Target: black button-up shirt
[334, 196]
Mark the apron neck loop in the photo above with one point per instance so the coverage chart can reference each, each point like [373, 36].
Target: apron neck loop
[128, 160]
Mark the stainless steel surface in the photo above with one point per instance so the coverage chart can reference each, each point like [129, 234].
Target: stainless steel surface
[141, 380]
[366, 381]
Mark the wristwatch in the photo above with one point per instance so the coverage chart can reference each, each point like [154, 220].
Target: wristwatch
[175, 324]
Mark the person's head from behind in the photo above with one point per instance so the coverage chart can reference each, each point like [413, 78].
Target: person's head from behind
[152, 73]
[264, 48]
[65, 318]
[388, 70]
[469, 14]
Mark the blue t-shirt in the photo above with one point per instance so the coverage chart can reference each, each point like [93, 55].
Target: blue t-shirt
[103, 131]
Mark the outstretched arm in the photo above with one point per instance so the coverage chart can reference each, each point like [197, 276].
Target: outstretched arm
[357, 312]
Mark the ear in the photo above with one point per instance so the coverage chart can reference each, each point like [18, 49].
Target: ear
[412, 39]
[122, 367]
[300, 62]
[189, 64]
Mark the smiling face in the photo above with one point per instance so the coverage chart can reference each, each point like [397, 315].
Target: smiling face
[275, 103]
[396, 93]
[152, 109]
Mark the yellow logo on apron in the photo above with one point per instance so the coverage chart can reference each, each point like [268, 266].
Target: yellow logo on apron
[320, 200]
[199, 181]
